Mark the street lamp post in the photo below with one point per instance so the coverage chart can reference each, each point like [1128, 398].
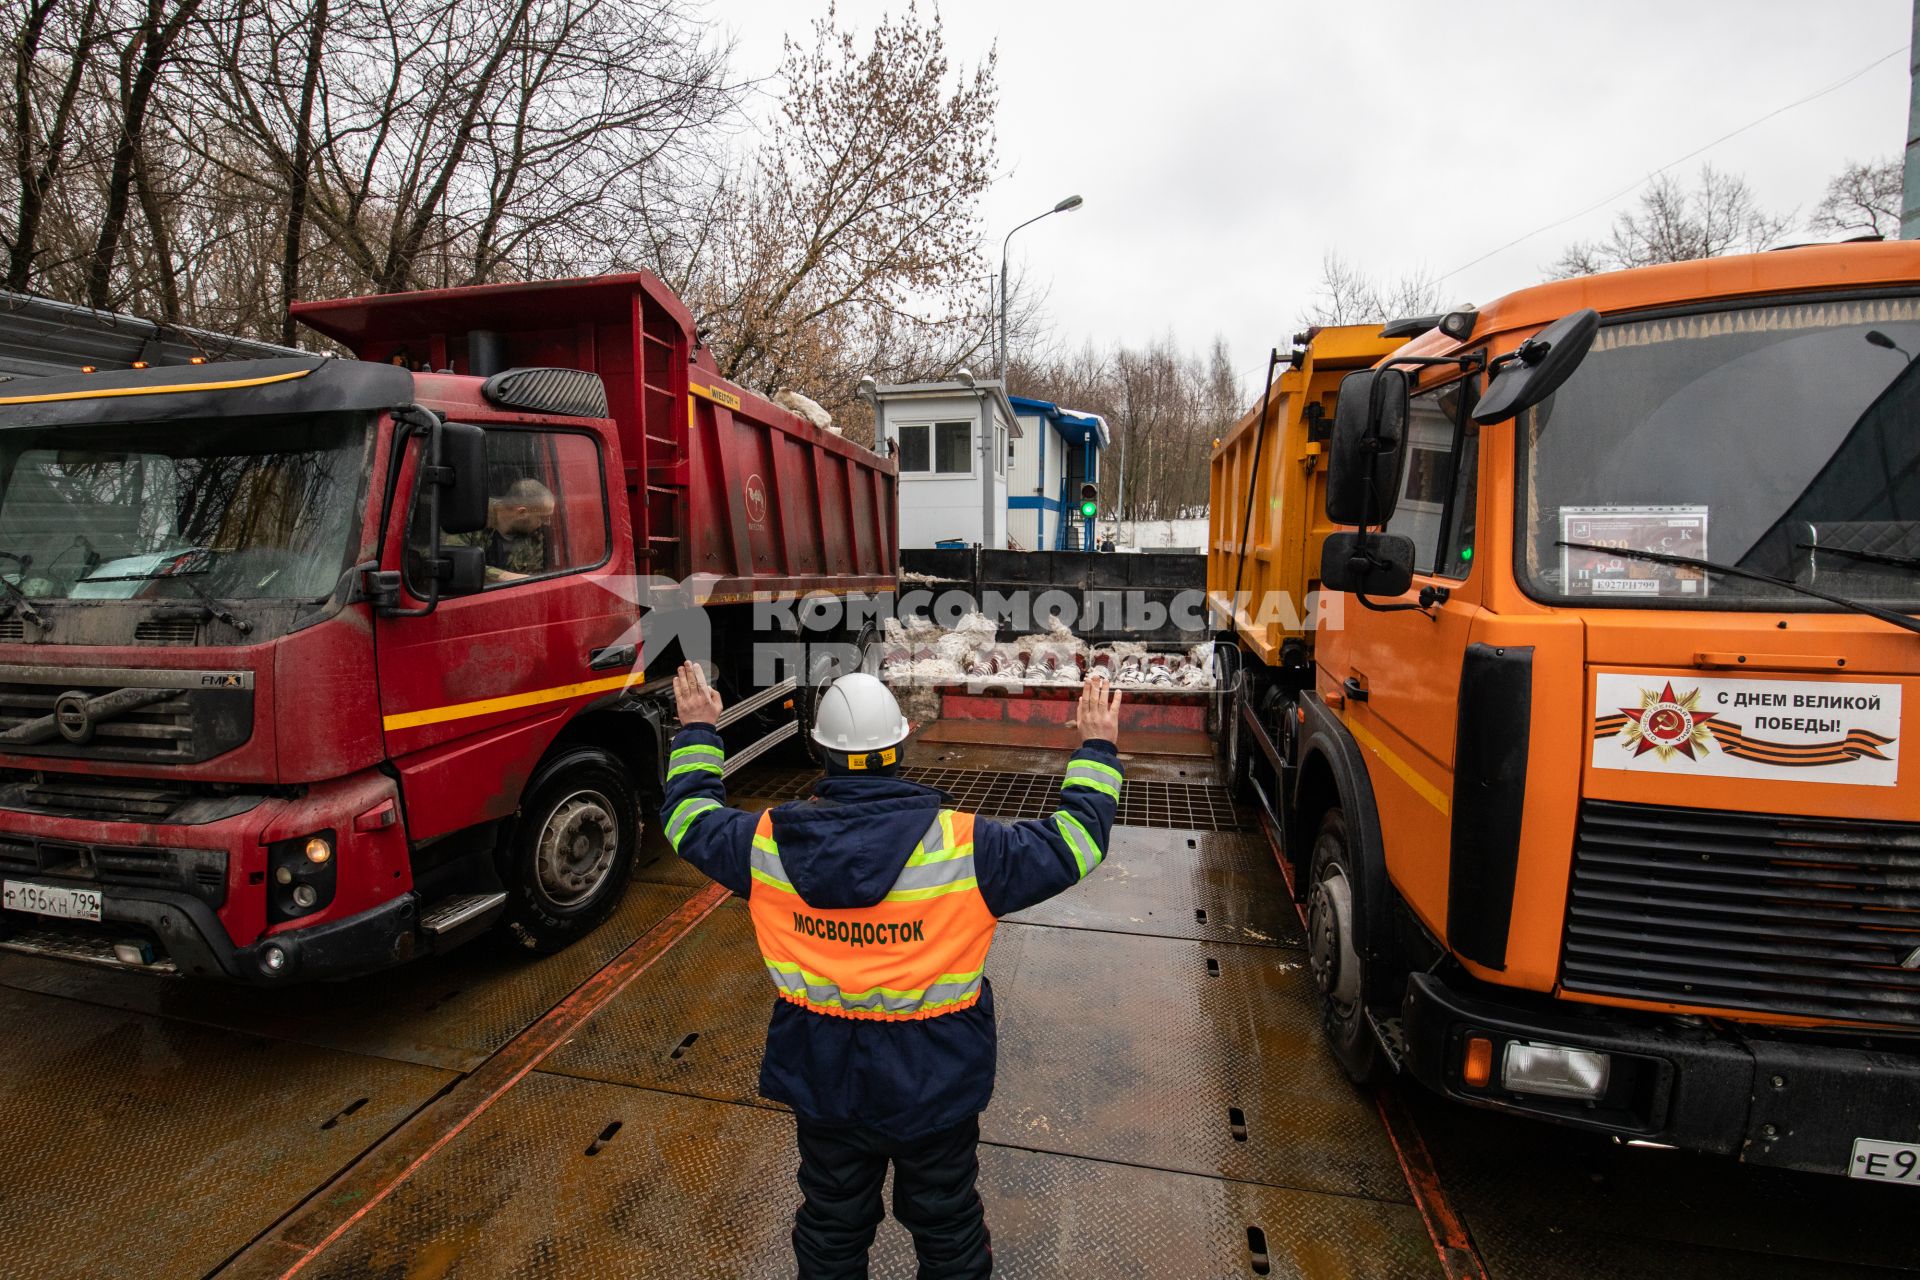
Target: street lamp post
[1065, 206]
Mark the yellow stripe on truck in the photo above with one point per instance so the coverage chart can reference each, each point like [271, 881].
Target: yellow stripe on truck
[1408, 774]
[512, 702]
[719, 395]
[105, 392]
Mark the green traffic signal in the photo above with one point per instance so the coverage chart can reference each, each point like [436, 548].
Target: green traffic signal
[1089, 509]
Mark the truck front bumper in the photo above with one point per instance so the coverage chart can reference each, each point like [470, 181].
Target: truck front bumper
[195, 942]
[1766, 1099]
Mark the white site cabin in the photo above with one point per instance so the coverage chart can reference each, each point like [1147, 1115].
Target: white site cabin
[952, 442]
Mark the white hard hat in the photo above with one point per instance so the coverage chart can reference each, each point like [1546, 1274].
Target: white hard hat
[857, 713]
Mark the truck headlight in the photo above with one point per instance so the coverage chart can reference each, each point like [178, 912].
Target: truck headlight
[304, 873]
[1555, 1071]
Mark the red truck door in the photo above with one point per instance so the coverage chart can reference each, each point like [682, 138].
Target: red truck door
[473, 693]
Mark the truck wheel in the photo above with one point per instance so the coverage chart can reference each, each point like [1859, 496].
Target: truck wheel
[568, 859]
[1332, 956]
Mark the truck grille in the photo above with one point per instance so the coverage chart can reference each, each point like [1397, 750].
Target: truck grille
[200, 872]
[1788, 915]
[158, 716]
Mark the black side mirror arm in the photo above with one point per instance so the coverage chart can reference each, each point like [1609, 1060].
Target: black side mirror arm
[1467, 361]
[386, 586]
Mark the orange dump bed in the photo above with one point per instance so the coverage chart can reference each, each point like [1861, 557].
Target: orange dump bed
[1276, 563]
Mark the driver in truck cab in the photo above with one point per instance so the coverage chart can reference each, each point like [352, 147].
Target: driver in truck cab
[874, 903]
[516, 534]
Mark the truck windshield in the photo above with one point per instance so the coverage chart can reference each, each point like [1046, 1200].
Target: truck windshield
[1783, 439]
[243, 509]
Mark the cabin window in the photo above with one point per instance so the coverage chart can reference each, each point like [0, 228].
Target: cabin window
[1442, 467]
[546, 509]
[938, 448]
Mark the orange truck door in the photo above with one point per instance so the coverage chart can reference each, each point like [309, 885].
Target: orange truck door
[1400, 671]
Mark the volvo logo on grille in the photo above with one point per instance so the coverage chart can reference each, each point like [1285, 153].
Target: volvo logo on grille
[1913, 959]
[73, 717]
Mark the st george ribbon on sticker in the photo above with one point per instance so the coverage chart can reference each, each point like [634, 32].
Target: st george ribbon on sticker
[1798, 730]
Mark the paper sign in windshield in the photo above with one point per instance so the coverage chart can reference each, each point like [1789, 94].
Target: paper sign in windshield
[1798, 730]
[1677, 531]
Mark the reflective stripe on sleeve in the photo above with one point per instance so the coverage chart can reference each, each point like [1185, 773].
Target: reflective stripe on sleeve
[1090, 773]
[697, 751]
[1086, 851]
[695, 766]
[683, 817]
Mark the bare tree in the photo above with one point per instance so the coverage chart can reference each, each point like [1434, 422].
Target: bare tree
[1863, 199]
[1719, 215]
[53, 47]
[1164, 406]
[851, 245]
[1348, 295]
[146, 56]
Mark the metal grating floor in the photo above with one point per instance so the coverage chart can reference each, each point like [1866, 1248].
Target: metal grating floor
[578, 1178]
[1195, 806]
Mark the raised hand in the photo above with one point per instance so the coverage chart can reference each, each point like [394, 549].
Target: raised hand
[694, 700]
[1099, 710]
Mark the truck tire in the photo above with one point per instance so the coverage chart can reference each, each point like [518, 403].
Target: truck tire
[1332, 954]
[571, 852]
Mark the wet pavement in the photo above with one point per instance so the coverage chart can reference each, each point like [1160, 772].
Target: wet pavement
[1164, 1108]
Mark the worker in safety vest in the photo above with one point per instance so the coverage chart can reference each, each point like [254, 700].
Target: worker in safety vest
[874, 903]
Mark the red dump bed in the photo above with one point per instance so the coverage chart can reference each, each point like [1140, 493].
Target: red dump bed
[720, 481]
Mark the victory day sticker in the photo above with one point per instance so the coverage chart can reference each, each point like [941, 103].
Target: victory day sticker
[1809, 731]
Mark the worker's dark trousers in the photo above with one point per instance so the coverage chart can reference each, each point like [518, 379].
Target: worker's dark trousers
[841, 1174]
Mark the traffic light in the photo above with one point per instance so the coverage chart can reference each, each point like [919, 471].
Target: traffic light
[1089, 501]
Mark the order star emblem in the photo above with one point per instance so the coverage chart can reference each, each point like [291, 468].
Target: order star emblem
[1669, 724]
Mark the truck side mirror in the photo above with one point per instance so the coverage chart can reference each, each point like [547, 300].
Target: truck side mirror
[1367, 449]
[465, 570]
[1367, 564]
[463, 478]
[1536, 368]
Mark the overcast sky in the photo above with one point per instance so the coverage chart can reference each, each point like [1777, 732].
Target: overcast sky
[1223, 149]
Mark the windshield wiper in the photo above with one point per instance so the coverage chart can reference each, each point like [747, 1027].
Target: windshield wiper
[185, 579]
[215, 608]
[1871, 557]
[25, 605]
[1734, 571]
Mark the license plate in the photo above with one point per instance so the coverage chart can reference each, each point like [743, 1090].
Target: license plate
[51, 900]
[1886, 1161]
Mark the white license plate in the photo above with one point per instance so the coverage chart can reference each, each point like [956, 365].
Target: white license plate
[1886, 1161]
[51, 900]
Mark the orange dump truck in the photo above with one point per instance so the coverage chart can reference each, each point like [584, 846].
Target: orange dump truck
[1577, 668]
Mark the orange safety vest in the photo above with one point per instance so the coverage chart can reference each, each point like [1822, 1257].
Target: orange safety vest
[917, 953]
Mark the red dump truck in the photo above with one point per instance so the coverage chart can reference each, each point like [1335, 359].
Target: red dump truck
[308, 665]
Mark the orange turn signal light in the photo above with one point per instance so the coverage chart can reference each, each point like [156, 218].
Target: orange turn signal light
[87, 368]
[139, 364]
[1477, 1067]
[196, 360]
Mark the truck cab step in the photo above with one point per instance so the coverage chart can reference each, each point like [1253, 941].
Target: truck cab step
[456, 918]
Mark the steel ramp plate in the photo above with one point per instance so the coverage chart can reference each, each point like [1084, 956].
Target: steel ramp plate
[691, 1188]
[138, 1146]
[1209, 886]
[1115, 1046]
[446, 1011]
[1543, 1200]
[711, 986]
